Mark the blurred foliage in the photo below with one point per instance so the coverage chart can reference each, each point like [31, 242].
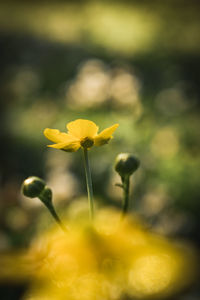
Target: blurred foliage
[135, 63]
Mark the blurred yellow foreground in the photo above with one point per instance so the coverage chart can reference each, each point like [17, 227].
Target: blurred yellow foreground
[109, 259]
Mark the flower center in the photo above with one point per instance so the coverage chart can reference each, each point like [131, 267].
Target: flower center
[87, 142]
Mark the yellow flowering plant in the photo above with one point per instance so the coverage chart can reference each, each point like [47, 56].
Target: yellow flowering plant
[106, 259]
[81, 134]
[109, 258]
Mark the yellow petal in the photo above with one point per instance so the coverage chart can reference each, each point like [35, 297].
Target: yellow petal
[82, 128]
[69, 147]
[56, 136]
[104, 136]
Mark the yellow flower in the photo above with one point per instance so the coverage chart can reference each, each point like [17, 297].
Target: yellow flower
[107, 259]
[81, 133]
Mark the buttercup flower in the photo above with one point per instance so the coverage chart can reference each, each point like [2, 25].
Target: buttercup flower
[81, 133]
[106, 259]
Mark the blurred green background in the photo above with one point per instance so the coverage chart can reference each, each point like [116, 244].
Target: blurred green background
[136, 63]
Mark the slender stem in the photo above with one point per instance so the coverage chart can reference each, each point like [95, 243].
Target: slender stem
[52, 211]
[88, 183]
[56, 217]
[126, 184]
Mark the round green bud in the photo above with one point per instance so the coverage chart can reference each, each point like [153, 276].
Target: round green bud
[46, 195]
[126, 164]
[33, 186]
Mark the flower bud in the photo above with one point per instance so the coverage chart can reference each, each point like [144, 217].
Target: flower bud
[33, 186]
[126, 164]
[46, 195]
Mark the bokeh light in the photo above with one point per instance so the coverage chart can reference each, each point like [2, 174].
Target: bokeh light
[135, 63]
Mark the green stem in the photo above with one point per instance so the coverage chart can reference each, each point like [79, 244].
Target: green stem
[88, 182]
[52, 211]
[56, 217]
[126, 184]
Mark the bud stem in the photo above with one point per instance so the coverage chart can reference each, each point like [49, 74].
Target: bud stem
[126, 184]
[88, 182]
[52, 211]
[56, 217]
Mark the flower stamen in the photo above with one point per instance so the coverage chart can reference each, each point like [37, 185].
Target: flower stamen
[87, 143]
